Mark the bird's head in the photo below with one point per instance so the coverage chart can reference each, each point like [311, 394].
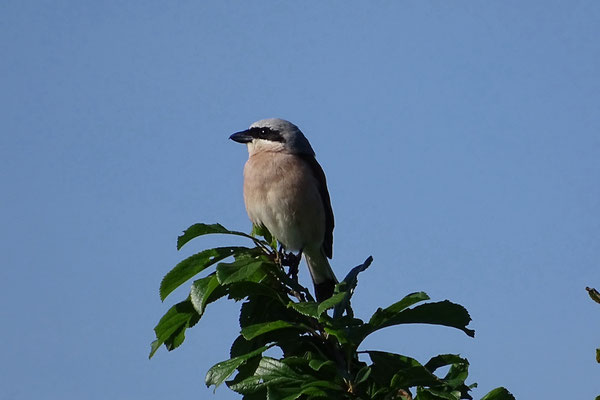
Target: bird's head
[274, 134]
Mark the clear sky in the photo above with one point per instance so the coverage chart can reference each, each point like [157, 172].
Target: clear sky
[461, 142]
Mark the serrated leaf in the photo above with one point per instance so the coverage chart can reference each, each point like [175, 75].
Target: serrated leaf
[274, 371]
[499, 394]
[194, 265]
[252, 331]
[307, 308]
[170, 329]
[202, 292]
[244, 269]
[241, 290]
[223, 370]
[331, 302]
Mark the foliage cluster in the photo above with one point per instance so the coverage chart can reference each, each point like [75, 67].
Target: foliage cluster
[319, 341]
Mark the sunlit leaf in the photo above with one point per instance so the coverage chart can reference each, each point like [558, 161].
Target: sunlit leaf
[203, 291]
[170, 329]
[244, 269]
[194, 265]
[223, 370]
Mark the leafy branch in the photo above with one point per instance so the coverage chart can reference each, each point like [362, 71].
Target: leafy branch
[319, 341]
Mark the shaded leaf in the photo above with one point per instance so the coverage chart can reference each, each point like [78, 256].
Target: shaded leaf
[252, 331]
[499, 394]
[223, 370]
[347, 286]
[194, 265]
[382, 315]
[433, 394]
[399, 371]
[362, 375]
[261, 230]
[443, 360]
[318, 364]
[443, 313]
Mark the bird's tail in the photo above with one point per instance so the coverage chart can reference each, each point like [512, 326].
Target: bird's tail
[322, 275]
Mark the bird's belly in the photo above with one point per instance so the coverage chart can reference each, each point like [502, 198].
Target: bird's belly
[291, 209]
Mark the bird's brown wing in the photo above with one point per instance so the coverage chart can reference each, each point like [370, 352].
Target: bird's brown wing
[322, 182]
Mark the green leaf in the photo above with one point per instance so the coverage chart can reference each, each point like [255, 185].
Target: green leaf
[207, 229]
[198, 230]
[499, 394]
[318, 364]
[399, 371]
[293, 393]
[261, 230]
[307, 308]
[443, 360]
[598, 355]
[194, 265]
[331, 302]
[362, 375]
[243, 269]
[241, 290]
[171, 327]
[252, 331]
[440, 313]
[381, 316]
[223, 370]
[433, 394]
[203, 292]
[272, 371]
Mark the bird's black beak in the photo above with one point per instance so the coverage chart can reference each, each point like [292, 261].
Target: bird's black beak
[241, 137]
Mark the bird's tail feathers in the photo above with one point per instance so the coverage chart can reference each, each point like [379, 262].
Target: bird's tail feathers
[321, 273]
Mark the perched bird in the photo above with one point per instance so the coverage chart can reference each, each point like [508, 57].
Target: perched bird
[286, 192]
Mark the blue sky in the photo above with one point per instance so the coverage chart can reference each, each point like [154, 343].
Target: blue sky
[461, 142]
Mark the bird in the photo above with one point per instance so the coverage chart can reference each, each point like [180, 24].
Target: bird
[285, 191]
